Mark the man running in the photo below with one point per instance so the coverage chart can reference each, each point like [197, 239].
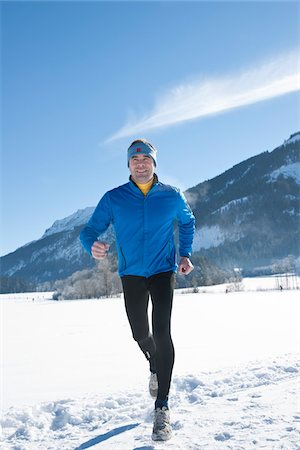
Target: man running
[143, 212]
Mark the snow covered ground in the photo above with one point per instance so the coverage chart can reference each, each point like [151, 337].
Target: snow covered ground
[73, 378]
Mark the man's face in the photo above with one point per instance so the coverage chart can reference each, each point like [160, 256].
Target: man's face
[141, 168]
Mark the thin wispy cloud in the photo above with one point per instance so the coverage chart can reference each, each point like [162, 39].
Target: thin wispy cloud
[209, 96]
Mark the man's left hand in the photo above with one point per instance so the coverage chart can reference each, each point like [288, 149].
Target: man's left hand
[185, 266]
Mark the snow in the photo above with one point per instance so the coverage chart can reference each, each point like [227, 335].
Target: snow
[208, 236]
[287, 171]
[214, 235]
[80, 217]
[73, 378]
[294, 138]
[230, 204]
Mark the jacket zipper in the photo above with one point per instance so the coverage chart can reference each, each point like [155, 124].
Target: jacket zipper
[121, 250]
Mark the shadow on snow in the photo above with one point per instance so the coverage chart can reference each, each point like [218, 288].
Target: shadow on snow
[108, 435]
[144, 448]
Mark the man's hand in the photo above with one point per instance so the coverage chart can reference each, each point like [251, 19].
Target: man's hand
[185, 266]
[99, 250]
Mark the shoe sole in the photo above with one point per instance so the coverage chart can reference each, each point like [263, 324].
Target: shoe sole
[156, 437]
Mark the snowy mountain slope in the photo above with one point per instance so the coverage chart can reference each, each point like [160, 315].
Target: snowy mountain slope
[247, 216]
[79, 218]
[73, 383]
[289, 171]
[292, 139]
[54, 256]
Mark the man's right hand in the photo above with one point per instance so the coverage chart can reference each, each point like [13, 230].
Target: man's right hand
[99, 250]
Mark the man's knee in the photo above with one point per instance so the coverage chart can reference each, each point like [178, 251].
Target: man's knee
[144, 341]
[139, 337]
[146, 344]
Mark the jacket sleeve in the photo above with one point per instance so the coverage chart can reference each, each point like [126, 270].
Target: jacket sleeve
[186, 226]
[98, 223]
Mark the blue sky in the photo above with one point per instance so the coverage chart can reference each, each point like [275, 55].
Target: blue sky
[208, 83]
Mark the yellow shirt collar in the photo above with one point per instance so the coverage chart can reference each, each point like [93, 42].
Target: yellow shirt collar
[145, 188]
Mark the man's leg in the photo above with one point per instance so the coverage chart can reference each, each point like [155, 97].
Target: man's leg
[161, 288]
[136, 295]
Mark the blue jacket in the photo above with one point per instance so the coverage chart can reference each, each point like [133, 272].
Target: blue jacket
[144, 227]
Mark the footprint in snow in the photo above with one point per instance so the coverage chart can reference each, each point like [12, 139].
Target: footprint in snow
[177, 425]
[145, 448]
[255, 395]
[223, 436]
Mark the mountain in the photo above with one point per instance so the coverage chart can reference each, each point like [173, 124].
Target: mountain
[79, 218]
[249, 215]
[246, 217]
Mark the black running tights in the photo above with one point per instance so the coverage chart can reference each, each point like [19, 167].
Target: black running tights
[156, 346]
